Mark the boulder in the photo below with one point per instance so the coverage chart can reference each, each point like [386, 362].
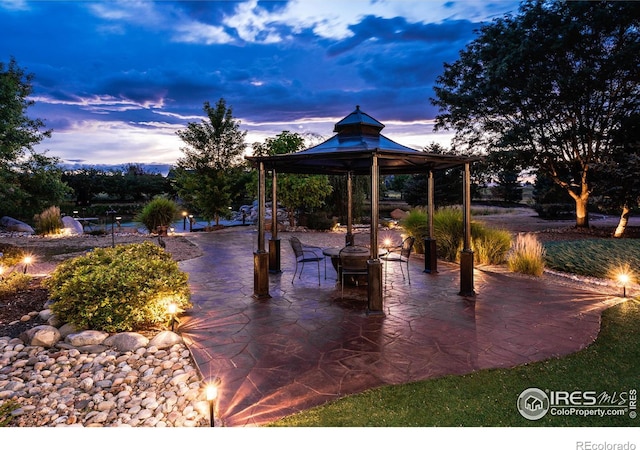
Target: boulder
[398, 214]
[126, 342]
[72, 226]
[41, 336]
[88, 337]
[165, 339]
[11, 224]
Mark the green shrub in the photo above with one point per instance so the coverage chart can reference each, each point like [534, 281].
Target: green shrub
[159, 212]
[489, 245]
[125, 288]
[319, 221]
[527, 255]
[48, 221]
[6, 409]
[14, 282]
[416, 224]
[11, 255]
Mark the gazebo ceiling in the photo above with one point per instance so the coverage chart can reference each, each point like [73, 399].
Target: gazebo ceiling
[357, 140]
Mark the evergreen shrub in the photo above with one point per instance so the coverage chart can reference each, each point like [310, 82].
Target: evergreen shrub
[124, 288]
[159, 212]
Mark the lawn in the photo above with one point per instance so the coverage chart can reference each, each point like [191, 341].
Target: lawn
[488, 397]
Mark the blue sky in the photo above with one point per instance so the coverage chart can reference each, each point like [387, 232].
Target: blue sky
[116, 79]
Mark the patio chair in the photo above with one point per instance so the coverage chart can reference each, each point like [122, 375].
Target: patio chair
[400, 254]
[351, 266]
[306, 254]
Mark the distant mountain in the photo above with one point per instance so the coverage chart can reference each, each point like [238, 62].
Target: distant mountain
[162, 169]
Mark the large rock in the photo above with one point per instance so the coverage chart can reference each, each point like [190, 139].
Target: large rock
[41, 336]
[126, 342]
[87, 337]
[165, 339]
[72, 226]
[11, 224]
[398, 214]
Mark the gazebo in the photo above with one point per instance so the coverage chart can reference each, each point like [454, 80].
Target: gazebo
[359, 148]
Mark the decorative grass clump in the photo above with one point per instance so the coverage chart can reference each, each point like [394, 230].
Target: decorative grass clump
[489, 245]
[49, 221]
[125, 288]
[159, 212]
[415, 224]
[526, 255]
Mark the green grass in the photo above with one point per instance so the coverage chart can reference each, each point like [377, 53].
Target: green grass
[593, 257]
[488, 397]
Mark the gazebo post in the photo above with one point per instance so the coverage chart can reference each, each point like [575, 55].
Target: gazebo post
[374, 265]
[430, 249]
[466, 255]
[349, 237]
[274, 242]
[260, 256]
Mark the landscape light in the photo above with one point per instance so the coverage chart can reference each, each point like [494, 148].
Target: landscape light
[184, 221]
[172, 309]
[211, 390]
[27, 261]
[624, 278]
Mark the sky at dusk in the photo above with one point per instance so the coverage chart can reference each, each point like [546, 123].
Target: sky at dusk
[115, 80]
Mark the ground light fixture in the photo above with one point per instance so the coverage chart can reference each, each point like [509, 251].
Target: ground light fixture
[27, 261]
[184, 220]
[172, 309]
[190, 222]
[624, 279]
[211, 391]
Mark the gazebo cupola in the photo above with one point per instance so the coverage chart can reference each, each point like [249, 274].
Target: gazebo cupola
[357, 124]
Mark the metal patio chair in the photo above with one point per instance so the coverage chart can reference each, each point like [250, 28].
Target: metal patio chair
[400, 254]
[306, 254]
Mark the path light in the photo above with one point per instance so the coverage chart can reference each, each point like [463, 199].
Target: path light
[27, 261]
[172, 309]
[112, 213]
[211, 391]
[624, 278]
[190, 222]
[184, 220]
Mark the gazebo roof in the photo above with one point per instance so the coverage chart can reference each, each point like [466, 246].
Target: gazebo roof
[357, 140]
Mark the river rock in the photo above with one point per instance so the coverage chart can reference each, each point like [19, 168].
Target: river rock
[165, 339]
[41, 336]
[88, 337]
[126, 342]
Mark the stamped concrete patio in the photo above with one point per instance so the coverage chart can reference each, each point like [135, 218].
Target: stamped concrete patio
[306, 346]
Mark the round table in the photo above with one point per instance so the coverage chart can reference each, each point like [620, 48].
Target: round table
[353, 251]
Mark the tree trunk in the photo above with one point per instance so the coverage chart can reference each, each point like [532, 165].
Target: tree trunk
[622, 224]
[582, 213]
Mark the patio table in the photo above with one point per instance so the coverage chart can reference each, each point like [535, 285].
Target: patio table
[352, 251]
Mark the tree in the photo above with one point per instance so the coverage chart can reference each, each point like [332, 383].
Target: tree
[294, 191]
[214, 148]
[622, 189]
[550, 86]
[29, 182]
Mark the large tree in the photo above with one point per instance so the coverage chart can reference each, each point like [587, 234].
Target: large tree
[215, 147]
[29, 181]
[294, 191]
[549, 86]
